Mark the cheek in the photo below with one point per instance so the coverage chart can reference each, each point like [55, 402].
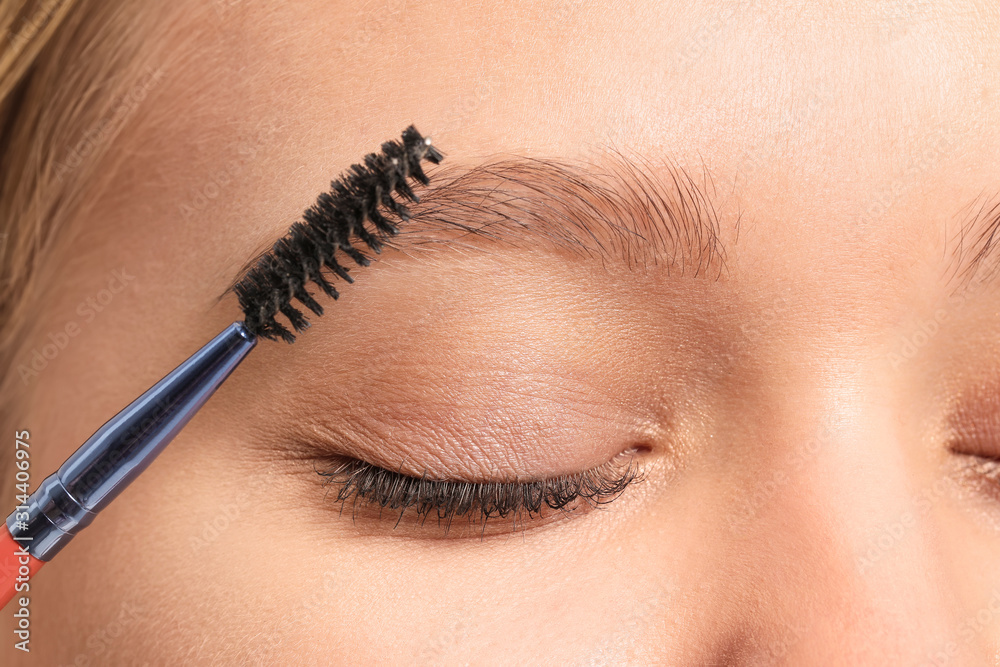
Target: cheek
[204, 562]
[433, 603]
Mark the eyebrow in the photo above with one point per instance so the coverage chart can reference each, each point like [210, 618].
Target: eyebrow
[621, 209]
[975, 256]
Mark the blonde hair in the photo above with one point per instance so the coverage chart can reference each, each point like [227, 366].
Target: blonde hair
[25, 80]
[64, 67]
[63, 63]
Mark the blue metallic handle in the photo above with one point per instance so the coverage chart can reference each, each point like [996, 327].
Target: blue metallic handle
[119, 451]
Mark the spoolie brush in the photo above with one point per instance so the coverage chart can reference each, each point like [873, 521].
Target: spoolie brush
[310, 247]
[68, 500]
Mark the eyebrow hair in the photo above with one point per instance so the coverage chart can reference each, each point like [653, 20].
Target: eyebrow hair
[622, 210]
[975, 256]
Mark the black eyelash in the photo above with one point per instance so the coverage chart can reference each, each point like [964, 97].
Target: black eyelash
[363, 482]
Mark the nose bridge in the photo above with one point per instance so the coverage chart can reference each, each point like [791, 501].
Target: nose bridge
[841, 552]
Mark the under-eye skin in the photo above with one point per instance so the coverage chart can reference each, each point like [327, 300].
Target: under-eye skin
[977, 467]
[370, 492]
[988, 469]
[982, 471]
[974, 439]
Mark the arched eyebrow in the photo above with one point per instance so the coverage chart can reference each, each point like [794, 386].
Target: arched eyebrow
[619, 209]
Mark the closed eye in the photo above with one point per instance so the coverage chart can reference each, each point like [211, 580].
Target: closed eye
[378, 494]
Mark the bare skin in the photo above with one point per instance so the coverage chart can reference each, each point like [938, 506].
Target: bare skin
[805, 415]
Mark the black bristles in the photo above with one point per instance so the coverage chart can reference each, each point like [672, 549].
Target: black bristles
[328, 226]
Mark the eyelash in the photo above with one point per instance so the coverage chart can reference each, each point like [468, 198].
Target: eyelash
[367, 484]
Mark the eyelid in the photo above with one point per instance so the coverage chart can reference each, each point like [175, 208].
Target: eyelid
[974, 427]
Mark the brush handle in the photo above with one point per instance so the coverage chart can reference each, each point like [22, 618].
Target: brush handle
[67, 501]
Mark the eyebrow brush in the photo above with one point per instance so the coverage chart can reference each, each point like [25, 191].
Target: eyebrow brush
[93, 476]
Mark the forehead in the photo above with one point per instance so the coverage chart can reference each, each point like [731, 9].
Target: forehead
[682, 77]
[829, 103]
[855, 131]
